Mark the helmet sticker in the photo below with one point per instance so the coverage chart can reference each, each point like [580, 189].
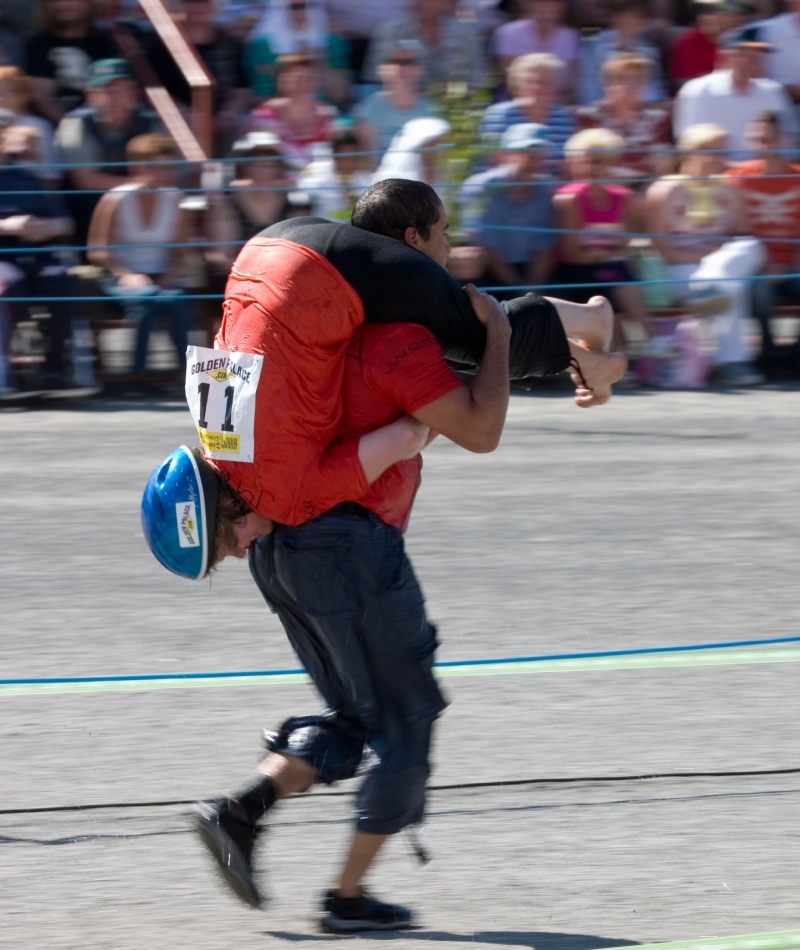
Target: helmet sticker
[221, 393]
[188, 531]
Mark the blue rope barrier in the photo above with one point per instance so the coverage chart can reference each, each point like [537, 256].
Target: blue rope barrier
[444, 664]
[442, 185]
[526, 288]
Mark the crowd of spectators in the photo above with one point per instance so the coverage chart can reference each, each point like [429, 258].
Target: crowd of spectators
[584, 145]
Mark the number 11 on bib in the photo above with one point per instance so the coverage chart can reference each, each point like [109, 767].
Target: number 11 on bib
[221, 393]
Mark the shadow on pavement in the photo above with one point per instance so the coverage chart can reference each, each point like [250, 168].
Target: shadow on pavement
[539, 940]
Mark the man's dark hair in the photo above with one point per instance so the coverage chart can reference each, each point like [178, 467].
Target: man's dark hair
[230, 508]
[394, 204]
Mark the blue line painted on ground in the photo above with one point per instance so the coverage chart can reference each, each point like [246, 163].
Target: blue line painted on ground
[442, 665]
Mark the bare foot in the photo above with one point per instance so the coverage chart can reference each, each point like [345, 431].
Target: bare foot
[594, 374]
[589, 323]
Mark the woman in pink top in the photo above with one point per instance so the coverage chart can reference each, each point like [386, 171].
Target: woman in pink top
[298, 119]
[596, 219]
[539, 30]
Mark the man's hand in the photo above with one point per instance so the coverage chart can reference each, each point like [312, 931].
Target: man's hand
[487, 309]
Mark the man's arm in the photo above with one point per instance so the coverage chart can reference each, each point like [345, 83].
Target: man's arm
[473, 417]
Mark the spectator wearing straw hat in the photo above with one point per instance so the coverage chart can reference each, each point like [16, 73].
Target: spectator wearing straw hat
[94, 137]
[733, 96]
[380, 116]
[508, 212]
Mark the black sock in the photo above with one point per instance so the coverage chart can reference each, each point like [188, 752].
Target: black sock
[253, 800]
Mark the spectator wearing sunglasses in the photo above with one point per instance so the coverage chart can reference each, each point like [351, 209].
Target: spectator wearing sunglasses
[383, 114]
[453, 48]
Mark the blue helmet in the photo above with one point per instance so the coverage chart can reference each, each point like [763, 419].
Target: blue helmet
[178, 512]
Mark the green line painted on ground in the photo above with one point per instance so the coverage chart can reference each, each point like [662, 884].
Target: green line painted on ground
[595, 664]
[785, 940]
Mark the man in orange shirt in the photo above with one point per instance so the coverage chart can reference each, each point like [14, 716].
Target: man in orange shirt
[771, 188]
[345, 592]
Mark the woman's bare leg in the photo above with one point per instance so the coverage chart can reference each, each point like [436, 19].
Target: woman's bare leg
[592, 322]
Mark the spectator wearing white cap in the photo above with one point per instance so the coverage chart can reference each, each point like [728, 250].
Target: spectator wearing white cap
[731, 97]
[415, 153]
[508, 211]
[380, 116]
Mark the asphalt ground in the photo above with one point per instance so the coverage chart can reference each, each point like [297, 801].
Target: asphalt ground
[661, 519]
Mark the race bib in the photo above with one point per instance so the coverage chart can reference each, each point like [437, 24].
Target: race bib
[221, 393]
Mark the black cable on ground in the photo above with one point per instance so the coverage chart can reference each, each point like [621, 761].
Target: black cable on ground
[503, 783]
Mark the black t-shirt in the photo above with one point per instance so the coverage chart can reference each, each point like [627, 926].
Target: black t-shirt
[398, 284]
[67, 61]
[224, 58]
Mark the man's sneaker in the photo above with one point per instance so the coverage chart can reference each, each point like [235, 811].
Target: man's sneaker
[349, 915]
[230, 842]
[736, 374]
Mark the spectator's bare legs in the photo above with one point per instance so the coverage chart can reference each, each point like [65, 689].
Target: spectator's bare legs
[592, 323]
[290, 775]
